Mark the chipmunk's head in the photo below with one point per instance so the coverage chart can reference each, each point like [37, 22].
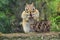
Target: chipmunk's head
[30, 9]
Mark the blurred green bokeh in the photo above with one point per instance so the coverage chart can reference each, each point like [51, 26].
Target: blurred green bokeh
[10, 11]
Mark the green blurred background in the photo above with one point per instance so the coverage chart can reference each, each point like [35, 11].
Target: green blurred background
[10, 14]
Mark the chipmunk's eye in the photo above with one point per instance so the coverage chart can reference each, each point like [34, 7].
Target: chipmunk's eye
[26, 9]
[33, 8]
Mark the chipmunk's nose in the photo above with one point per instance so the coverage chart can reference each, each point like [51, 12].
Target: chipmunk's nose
[30, 14]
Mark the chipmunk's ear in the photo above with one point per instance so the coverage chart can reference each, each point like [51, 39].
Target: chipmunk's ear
[32, 3]
[26, 3]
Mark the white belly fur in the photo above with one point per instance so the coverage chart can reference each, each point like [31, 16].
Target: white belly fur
[27, 28]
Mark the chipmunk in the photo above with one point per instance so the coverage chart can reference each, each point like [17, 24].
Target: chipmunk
[28, 16]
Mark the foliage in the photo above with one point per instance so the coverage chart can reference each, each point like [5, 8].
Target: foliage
[10, 11]
[4, 23]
